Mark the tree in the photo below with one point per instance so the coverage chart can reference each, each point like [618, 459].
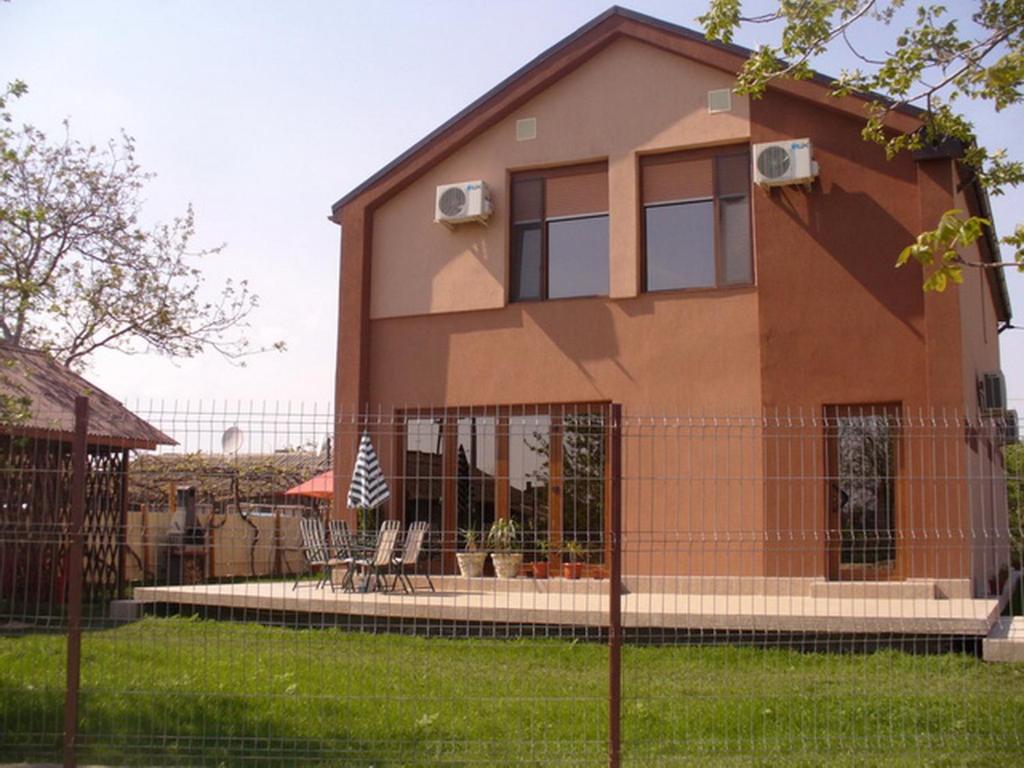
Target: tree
[936, 61]
[78, 272]
[1014, 456]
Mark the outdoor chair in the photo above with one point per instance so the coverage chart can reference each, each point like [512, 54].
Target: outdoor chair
[375, 568]
[342, 552]
[409, 557]
[314, 549]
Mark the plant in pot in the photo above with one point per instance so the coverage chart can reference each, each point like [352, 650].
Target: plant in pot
[502, 539]
[540, 565]
[471, 559]
[575, 552]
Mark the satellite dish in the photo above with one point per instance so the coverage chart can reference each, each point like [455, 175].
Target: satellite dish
[232, 439]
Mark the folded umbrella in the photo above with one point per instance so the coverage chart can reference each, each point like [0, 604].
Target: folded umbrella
[369, 489]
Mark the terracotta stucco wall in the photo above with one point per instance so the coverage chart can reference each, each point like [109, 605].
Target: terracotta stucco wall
[987, 491]
[631, 97]
[653, 354]
[840, 326]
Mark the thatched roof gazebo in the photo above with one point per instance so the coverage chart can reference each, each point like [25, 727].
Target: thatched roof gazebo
[37, 421]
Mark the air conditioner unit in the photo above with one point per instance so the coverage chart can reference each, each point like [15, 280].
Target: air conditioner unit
[1011, 428]
[463, 202]
[784, 162]
[992, 392]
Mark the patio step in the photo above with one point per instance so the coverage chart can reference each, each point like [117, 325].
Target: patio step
[911, 589]
[1005, 642]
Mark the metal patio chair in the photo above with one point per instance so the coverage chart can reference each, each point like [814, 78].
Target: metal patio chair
[375, 568]
[343, 552]
[314, 549]
[410, 556]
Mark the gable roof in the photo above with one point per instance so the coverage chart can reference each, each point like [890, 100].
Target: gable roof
[572, 51]
[567, 54]
[51, 389]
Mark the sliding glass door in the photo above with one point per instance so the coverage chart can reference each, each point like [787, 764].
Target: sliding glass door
[543, 467]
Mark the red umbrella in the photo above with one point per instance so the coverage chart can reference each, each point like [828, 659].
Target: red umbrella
[319, 487]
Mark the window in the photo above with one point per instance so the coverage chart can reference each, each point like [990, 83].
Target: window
[696, 209]
[559, 233]
[545, 467]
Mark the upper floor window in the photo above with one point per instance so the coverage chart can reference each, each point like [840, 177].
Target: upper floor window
[559, 243]
[696, 209]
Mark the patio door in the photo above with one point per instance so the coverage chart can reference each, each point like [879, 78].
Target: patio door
[862, 454]
[544, 467]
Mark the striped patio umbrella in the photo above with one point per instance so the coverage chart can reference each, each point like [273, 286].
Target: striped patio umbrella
[369, 489]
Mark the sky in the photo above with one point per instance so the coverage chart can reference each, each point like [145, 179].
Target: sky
[261, 114]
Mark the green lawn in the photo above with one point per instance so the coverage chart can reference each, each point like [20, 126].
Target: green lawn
[186, 692]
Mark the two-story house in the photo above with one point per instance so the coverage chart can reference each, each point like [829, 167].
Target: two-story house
[630, 259]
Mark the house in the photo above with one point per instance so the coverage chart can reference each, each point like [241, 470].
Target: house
[36, 430]
[631, 261]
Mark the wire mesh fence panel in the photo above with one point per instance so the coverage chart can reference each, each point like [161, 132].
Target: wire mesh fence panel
[283, 585]
[815, 588]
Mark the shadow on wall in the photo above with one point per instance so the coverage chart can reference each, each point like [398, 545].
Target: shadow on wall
[583, 331]
[864, 239]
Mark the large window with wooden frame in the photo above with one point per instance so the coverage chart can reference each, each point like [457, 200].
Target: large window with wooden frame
[543, 467]
[696, 210]
[559, 237]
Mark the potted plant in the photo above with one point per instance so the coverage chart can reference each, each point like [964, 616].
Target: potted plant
[540, 565]
[502, 540]
[471, 560]
[574, 568]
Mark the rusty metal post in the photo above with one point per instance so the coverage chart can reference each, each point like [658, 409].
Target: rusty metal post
[122, 526]
[76, 554]
[615, 595]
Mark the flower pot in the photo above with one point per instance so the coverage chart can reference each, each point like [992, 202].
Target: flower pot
[506, 564]
[540, 569]
[471, 563]
[572, 570]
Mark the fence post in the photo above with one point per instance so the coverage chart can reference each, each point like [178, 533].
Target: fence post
[76, 554]
[122, 526]
[615, 595]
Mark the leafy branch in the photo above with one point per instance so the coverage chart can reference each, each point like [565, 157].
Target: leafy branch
[79, 272]
[933, 62]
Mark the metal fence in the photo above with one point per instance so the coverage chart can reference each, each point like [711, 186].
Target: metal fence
[591, 587]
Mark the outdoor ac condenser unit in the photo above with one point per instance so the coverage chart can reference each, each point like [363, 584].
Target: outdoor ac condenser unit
[784, 162]
[463, 202]
[1011, 428]
[992, 392]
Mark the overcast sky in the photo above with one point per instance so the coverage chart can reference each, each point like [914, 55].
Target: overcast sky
[261, 114]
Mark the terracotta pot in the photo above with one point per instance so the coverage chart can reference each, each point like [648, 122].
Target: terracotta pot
[506, 564]
[471, 563]
[572, 570]
[540, 569]
[595, 572]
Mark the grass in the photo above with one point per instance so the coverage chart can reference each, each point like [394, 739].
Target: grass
[181, 691]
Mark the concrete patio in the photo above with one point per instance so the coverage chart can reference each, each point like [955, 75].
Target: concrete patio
[787, 605]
